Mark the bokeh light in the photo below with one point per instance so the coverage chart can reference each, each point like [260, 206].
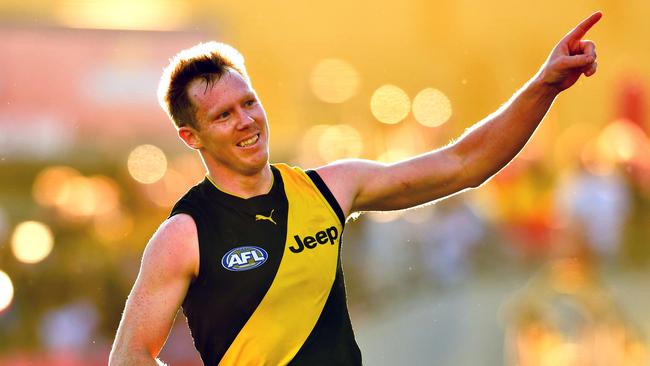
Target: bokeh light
[105, 194]
[32, 241]
[334, 80]
[309, 155]
[169, 189]
[431, 107]
[619, 142]
[390, 104]
[82, 197]
[6, 291]
[123, 14]
[622, 141]
[340, 141]
[49, 184]
[147, 164]
[75, 196]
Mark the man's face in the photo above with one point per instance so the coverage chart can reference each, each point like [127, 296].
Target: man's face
[232, 126]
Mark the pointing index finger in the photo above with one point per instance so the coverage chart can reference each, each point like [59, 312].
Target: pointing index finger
[581, 29]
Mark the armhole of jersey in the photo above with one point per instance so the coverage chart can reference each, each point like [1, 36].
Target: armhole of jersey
[181, 211]
[322, 187]
[196, 225]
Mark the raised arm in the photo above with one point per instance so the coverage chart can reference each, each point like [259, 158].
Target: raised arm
[485, 148]
[169, 263]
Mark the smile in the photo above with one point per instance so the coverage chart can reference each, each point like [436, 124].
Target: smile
[249, 142]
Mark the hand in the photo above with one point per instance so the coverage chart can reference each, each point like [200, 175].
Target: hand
[571, 57]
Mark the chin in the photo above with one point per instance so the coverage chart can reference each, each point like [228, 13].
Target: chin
[253, 167]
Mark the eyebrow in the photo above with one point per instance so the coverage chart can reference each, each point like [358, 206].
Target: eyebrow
[212, 114]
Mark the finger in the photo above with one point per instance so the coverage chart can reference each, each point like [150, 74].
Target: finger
[577, 61]
[591, 69]
[588, 48]
[581, 29]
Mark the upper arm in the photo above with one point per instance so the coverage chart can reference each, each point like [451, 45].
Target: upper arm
[169, 263]
[363, 185]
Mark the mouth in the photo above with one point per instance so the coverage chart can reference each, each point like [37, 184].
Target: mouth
[249, 141]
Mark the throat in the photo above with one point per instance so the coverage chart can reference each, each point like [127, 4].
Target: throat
[244, 186]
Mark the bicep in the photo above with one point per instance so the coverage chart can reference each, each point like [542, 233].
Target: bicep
[364, 185]
[168, 265]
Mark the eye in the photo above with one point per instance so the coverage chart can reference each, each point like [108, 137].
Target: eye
[250, 102]
[223, 115]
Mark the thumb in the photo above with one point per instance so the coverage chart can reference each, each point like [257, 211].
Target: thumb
[576, 61]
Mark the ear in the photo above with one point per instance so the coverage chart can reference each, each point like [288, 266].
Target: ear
[190, 137]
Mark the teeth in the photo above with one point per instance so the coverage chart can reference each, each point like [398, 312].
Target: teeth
[249, 142]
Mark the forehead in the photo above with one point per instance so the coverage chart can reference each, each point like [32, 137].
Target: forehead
[229, 88]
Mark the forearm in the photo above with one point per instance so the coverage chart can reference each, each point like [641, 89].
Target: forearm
[492, 143]
[478, 154]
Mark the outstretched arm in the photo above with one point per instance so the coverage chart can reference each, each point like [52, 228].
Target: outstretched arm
[484, 149]
[169, 264]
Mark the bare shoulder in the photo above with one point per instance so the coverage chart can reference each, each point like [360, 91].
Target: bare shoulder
[341, 171]
[175, 245]
[364, 185]
[345, 179]
[177, 227]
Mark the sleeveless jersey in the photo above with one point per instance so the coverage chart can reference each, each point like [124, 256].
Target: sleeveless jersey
[270, 288]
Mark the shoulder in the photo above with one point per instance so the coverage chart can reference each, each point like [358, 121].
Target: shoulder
[345, 178]
[349, 168]
[176, 228]
[175, 246]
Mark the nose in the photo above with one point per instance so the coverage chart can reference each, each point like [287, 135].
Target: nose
[245, 120]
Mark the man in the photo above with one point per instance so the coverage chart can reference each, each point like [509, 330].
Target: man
[252, 252]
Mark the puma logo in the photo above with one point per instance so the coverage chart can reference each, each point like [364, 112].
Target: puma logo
[267, 218]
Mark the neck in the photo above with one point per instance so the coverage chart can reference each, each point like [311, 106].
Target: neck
[242, 185]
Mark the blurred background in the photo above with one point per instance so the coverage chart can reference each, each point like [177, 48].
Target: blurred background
[547, 264]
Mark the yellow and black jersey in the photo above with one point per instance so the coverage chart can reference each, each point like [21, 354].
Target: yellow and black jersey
[270, 288]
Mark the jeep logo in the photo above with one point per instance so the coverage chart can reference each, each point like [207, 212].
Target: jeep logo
[310, 242]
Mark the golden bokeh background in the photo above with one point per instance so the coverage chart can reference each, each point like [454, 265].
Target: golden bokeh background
[545, 264]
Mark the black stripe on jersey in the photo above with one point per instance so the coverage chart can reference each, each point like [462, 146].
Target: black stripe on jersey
[322, 187]
[220, 302]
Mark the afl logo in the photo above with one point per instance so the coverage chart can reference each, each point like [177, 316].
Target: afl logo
[244, 258]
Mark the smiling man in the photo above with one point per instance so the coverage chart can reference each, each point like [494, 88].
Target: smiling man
[252, 253]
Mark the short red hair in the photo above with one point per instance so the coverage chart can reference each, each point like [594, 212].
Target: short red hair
[208, 61]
